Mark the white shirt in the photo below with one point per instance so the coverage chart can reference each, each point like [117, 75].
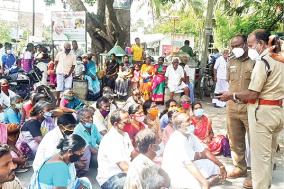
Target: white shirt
[221, 67]
[114, 148]
[65, 62]
[133, 178]
[178, 151]
[190, 72]
[47, 147]
[78, 52]
[5, 100]
[174, 76]
[101, 122]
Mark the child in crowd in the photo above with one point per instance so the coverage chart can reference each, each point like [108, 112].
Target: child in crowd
[79, 69]
[51, 73]
[136, 76]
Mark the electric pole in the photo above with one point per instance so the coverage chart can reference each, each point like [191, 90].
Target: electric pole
[33, 17]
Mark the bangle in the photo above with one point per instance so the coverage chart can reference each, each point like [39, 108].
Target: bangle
[234, 97]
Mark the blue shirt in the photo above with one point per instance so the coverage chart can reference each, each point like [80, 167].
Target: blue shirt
[8, 60]
[11, 116]
[54, 174]
[92, 139]
[164, 121]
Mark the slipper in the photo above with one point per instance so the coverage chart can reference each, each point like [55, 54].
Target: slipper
[215, 180]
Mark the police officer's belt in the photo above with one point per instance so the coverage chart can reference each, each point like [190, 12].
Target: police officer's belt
[266, 102]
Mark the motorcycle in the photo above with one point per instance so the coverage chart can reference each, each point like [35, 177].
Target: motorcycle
[24, 83]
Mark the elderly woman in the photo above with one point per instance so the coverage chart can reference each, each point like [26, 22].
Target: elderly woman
[30, 134]
[185, 104]
[89, 132]
[151, 112]
[187, 162]
[136, 122]
[55, 172]
[111, 72]
[123, 79]
[70, 103]
[203, 130]
[91, 74]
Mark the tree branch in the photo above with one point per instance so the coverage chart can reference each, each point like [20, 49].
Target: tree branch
[112, 16]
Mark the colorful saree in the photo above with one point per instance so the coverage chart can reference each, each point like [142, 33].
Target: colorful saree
[158, 87]
[204, 132]
[91, 72]
[147, 72]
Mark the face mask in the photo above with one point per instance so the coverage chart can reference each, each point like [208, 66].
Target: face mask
[47, 114]
[140, 118]
[67, 51]
[88, 125]
[19, 106]
[67, 132]
[8, 51]
[186, 105]
[5, 88]
[238, 52]
[75, 157]
[199, 112]
[104, 113]
[153, 112]
[69, 97]
[189, 129]
[253, 54]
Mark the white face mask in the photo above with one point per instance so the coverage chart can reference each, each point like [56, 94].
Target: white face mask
[8, 51]
[238, 52]
[253, 54]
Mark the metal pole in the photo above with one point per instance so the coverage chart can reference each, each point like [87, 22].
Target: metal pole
[207, 31]
[33, 17]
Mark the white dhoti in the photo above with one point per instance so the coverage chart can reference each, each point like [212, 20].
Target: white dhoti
[177, 88]
[221, 86]
[186, 180]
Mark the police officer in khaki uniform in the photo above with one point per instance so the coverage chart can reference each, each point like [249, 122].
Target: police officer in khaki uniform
[238, 76]
[265, 110]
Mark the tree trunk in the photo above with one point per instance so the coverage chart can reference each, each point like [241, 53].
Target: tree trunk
[104, 35]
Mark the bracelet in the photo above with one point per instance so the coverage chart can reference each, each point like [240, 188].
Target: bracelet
[222, 166]
[234, 97]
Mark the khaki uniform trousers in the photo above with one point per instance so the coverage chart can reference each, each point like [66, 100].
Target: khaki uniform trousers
[237, 127]
[265, 122]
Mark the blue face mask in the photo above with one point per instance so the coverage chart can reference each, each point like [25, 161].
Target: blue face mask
[47, 114]
[88, 125]
[199, 112]
[190, 129]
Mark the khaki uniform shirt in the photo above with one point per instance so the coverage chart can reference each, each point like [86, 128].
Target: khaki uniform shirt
[270, 87]
[238, 76]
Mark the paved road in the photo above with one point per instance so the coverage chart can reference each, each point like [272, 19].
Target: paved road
[219, 125]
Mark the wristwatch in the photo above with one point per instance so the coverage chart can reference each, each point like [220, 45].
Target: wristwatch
[235, 98]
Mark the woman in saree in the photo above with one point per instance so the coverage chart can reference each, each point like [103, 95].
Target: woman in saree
[57, 171]
[91, 74]
[203, 130]
[70, 103]
[159, 82]
[111, 72]
[147, 72]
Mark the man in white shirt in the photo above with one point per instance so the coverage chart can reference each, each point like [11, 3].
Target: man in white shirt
[220, 77]
[146, 143]
[6, 94]
[115, 150]
[101, 116]
[64, 66]
[187, 162]
[175, 79]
